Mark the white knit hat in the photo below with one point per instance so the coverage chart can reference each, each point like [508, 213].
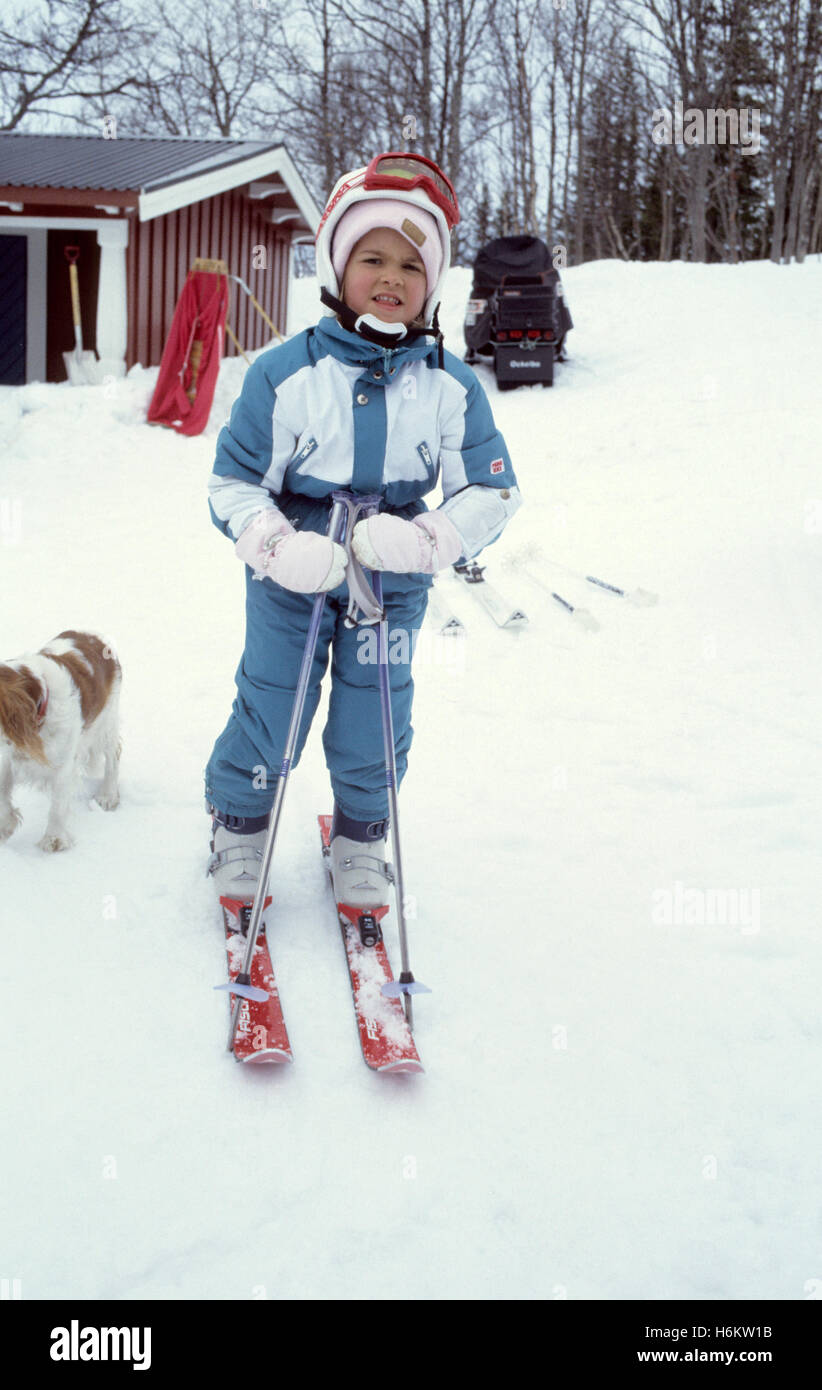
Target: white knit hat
[417, 226]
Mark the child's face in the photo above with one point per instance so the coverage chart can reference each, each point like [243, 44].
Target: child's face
[385, 276]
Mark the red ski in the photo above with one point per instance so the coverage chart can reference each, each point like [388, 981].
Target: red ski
[261, 1034]
[385, 1037]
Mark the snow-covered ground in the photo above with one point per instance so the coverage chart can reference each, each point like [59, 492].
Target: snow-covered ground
[612, 837]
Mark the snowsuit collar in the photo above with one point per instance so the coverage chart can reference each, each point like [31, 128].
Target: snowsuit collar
[358, 352]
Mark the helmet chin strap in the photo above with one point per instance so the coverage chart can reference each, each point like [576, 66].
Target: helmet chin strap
[374, 330]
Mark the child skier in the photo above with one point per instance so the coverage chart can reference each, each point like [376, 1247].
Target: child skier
[368, 402]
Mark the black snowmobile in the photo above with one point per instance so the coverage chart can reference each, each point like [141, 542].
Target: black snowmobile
[517, 312]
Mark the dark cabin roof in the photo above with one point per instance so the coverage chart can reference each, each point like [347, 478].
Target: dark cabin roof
[126, 163]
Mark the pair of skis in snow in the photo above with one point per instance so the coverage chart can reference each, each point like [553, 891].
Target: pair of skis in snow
[496, 604]
[261, 1035]
[639, 598]
[506, 615]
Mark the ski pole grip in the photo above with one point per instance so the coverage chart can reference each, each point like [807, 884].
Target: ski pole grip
[363, 599]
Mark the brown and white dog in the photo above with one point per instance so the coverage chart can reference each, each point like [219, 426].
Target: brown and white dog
[58, 716]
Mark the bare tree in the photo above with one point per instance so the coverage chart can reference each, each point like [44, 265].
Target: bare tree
[370, 77]
[521, 59]
[683, 33]
[573, 36]
[581, 40]
[319, 91]
[203, 71]
[611, 194]
[552, 113]
[56, 53]
[794, 93]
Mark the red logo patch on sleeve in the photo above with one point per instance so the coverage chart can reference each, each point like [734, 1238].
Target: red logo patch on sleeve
[497, 466]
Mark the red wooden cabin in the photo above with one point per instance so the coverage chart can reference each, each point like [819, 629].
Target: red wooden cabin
[140, 209]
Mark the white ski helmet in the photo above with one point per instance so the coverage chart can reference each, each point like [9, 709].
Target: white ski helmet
[406, 178]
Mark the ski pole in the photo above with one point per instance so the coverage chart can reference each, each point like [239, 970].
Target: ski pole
[335, 529]
[367, 601]
[642, 598]
[581, 616]
[406, 985]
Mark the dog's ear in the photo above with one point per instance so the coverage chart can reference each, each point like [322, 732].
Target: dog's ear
[9, 681]
[20, 693]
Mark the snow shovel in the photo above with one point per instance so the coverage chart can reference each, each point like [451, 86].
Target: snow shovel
[81, 367]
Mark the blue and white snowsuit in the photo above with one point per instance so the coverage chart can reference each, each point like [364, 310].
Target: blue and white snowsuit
[326, 411]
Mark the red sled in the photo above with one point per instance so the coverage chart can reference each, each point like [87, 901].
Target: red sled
[191, 359]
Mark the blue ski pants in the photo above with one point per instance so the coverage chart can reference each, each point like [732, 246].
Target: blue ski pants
[242, 772]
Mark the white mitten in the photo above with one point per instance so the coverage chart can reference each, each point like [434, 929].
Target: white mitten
[422, 546]
[302, 561]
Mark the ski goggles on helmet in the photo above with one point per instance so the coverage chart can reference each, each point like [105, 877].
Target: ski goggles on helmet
[407, 171]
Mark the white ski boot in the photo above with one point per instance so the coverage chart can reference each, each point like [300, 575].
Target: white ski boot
[359, 873]
[236, 860]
